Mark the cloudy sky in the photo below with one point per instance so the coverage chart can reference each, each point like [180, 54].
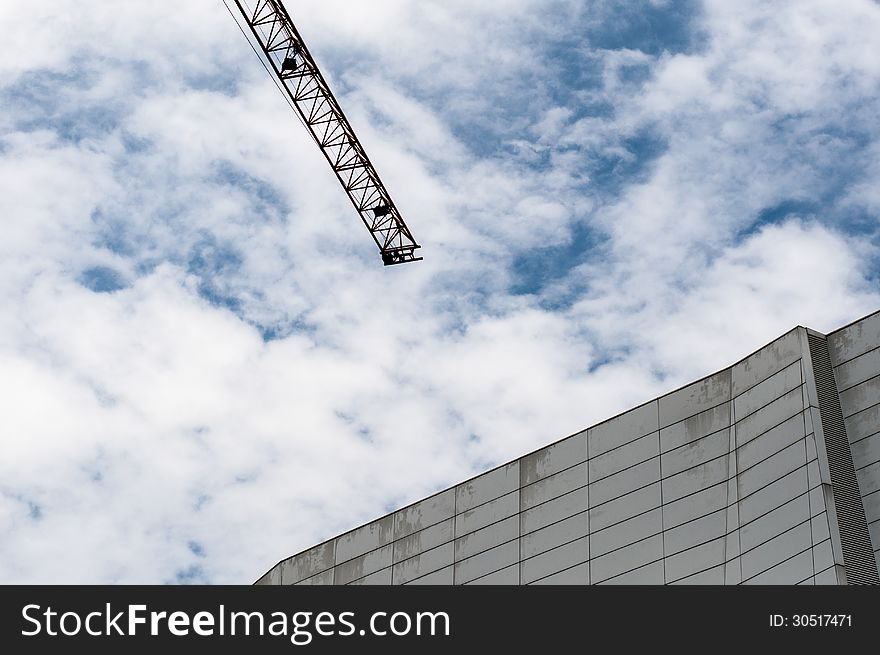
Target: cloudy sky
[204, 367]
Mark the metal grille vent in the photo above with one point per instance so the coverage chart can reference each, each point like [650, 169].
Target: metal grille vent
[858, 555]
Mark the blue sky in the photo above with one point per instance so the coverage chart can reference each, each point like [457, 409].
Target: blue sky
[205, 367]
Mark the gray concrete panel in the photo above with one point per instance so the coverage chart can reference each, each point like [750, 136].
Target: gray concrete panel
[786, 460]
[771, 442]
[695, 452]
[855, 339]
[650, 574]
[324, 578]
[441, 577]
[866, 451]
[863, 424]
[820, 530]
[703, 529]
[306, 564]
[733, 549]
[695, 398]
[555, 534]
[694, 560]
[860, 397]
[733, 508]
[553, 458]
[271, 577]
[823, 556]
[380, 578]
[815, 420]
[554, 485]
[777, 549]
[694, 479]
[789, 572]
[872, 507]
[622, 429]
[423, 540]
[364, 565]
[732, 570]
[767, 361]
[869, 478]
[695, 427]
[812, 452]
[365, 538]
[554, 510]
[424, 513]
[776, 386]
[491, 485]
[814, 479]
[625, 481]
[827, 577]
[624, 456]
[874, 531]
[711, 577]
[769, 416]
[487, 562]
[576, 575]
[554, 561]
[486, 538]
[626, 558]
[775, 522]
[771, 496]
[505, 576]
[620, 509]
[486, 514]
[420, 565]
[694, 506]
[857, 370]
[626, 532]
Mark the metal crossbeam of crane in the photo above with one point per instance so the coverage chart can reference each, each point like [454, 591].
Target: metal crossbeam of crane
[308, 93]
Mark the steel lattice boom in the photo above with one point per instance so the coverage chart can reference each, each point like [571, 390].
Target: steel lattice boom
[301, 80]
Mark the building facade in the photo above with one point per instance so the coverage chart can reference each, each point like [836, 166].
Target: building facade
[767, 472]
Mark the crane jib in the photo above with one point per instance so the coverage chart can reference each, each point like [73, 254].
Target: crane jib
[311, 98]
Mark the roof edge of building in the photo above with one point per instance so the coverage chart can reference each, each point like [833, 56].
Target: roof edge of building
[595, 425]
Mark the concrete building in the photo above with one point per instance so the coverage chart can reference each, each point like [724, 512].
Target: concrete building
[767, 472]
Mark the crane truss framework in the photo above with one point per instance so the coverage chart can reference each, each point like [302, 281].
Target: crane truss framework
[300, 78]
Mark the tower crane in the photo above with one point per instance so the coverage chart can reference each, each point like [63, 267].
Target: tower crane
[298, 77]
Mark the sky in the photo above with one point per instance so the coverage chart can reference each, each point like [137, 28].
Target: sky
[204, 366]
